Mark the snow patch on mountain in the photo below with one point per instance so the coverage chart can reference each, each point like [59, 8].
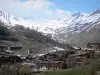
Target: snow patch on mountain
[45, 26]
[62, 28]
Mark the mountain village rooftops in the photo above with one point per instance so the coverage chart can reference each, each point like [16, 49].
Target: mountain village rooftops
[88, 49]
[97, 51]
[54, 49]
[58, 48]
[76, 47]
[26, 63]
[9, 51]
[39, 55]
[6, 54]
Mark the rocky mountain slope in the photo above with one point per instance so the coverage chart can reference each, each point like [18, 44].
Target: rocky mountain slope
[28, 39]
[47, 27]
[79, 29]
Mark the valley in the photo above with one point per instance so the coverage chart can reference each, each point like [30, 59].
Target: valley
[50, 45]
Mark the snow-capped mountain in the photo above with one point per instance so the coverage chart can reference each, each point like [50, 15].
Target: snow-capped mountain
[63, 30]
[45, 26]
[77, 25]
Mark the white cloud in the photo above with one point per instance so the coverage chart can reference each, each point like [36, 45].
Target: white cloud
[63, 14]
[34, 8]
[32, 4]
[49, 12]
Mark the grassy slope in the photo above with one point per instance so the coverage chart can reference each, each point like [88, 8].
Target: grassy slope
[26, 43]
[74, 71]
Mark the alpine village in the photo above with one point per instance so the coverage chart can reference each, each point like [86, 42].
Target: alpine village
[28, 51]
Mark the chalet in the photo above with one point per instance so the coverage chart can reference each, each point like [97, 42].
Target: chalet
[7, 56]
[55, 49]
[80, 57]
[15, 47]
[54, 57]
[94, 45]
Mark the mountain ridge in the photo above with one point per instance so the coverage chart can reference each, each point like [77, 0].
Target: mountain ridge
[62, 30]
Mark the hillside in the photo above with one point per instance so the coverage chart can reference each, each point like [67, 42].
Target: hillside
[19, 35]
[73, 30]
[81, 29]
[25, 42]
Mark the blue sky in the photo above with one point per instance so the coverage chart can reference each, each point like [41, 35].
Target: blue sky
[78, 5]
[23, 0]
[48, 9]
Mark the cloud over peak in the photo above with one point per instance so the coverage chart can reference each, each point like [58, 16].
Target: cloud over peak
[33, 8]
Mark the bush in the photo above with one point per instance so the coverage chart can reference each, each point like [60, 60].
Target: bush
[24, 70]
[7, 71]
[95, 66]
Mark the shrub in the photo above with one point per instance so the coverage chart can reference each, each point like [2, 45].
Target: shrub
[7, 71]
[16, 70]
[24, 70]
[95, 66]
